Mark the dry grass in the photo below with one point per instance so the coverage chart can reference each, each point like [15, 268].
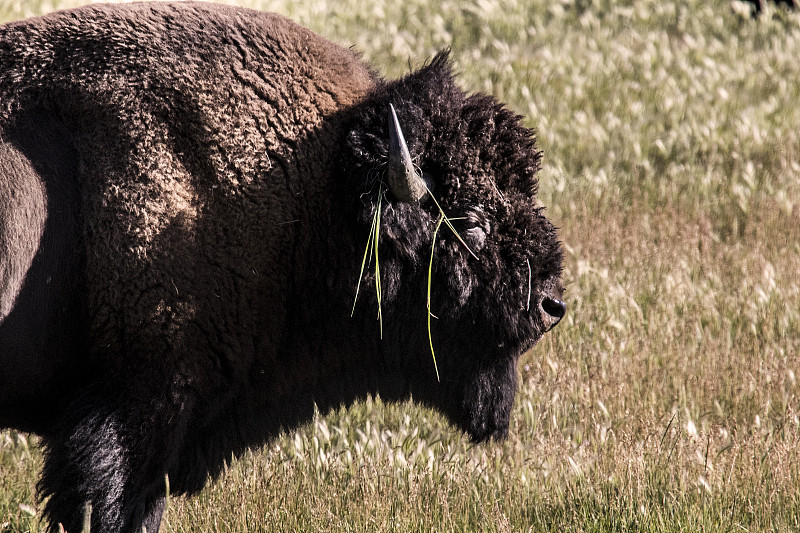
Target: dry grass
[668, 400]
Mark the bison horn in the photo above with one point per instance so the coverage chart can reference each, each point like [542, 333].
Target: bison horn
[404, 181]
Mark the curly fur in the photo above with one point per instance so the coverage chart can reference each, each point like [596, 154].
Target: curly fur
[209, 175]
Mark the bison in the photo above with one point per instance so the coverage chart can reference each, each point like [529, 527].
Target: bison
[186, 194]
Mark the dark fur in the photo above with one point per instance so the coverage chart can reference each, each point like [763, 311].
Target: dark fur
[758, 5]
[188, 192]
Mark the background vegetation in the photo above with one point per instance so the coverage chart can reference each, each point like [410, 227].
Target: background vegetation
[668, 399]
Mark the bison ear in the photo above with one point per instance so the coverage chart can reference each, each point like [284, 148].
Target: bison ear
[404, 181]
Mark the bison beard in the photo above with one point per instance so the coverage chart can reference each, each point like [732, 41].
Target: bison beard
[185, 194]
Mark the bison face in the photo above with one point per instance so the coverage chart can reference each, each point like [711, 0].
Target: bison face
[494, 276]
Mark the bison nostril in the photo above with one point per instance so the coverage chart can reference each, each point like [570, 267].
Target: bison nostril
[554, 307]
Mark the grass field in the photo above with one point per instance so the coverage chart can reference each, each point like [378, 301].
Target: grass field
[668, 399]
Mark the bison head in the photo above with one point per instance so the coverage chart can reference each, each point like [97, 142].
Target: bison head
[419, 147]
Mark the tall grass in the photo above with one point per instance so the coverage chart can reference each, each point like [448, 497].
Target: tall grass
[668, 399]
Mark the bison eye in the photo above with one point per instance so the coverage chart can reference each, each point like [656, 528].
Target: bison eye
[475, 237]
[477, 228]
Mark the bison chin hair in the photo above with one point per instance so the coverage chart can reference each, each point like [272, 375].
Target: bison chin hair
[477, 399]
[487, 401]
[482, 408]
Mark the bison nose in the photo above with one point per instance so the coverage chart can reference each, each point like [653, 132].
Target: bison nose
[553, 311]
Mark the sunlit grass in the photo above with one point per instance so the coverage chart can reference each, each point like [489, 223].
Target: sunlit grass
[667, 400]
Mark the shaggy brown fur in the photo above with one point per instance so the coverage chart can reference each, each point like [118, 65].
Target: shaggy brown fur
[185, 193]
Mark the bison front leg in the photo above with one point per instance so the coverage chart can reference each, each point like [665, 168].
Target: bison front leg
[114, 460]
[153, 513]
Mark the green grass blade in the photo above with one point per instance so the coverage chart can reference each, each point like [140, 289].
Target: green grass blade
[528, 302]
[365, 260]
[449, 225]
[430, 270]
[377, 263]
